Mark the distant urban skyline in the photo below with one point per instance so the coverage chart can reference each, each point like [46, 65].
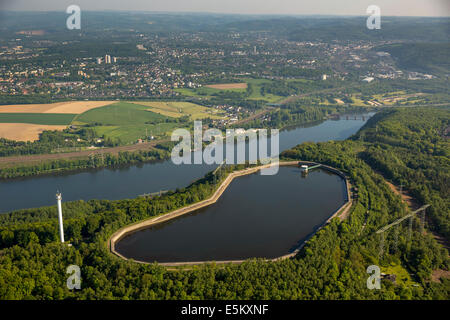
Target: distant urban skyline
[436, 8]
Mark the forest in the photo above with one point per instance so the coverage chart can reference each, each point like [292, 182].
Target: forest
[332, 264]
[412, 149]
[421, 57]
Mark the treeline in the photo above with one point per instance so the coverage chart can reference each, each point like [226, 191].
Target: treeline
[27, 99]
[296, 113]
[53, 141]
[98, 160]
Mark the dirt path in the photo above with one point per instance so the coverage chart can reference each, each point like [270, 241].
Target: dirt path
[406, 197]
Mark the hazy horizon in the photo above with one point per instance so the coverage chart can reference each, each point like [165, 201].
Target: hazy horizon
[406, 8]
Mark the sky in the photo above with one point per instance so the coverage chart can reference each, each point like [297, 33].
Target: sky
[295, 7]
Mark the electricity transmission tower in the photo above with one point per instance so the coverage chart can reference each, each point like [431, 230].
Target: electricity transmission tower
[410, 216]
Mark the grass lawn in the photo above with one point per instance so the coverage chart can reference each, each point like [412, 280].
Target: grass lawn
[37, 118]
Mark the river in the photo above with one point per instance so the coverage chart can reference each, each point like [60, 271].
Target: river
[132, 181]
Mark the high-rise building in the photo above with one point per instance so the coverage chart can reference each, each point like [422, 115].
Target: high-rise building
[107, 59]
[99, 60]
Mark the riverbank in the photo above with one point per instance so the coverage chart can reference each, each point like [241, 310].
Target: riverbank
[97, 159]
[123, 232]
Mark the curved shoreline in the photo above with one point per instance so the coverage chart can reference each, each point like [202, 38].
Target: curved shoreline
[121, 233]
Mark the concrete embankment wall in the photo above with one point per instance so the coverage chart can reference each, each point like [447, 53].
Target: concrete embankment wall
[182, 211]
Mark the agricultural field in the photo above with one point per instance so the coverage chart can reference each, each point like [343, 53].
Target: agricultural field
[130, 121]
[180, 109]
[28, 126]
[120, 113]
[25, 131]
[250, 89]
[124, 121]
[208, 92]
[37, 118]
[71, 107]
[26, 122]
[127, 122]
[227, 86]
[131, 133]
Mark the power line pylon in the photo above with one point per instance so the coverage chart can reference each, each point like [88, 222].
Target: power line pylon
[410, 229]
[423, 221]
[92, 160]
[381, 251]
[398, 221]
[396, 231]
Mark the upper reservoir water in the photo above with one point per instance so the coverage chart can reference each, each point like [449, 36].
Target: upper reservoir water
[257, 216]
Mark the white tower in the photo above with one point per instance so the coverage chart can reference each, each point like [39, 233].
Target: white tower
[61, 228]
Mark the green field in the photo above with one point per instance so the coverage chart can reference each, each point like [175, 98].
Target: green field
[130, 121]
[37, 118]
[254, 85]
[121, 113]
[205, 92]
[131, 133]
[180, 109]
